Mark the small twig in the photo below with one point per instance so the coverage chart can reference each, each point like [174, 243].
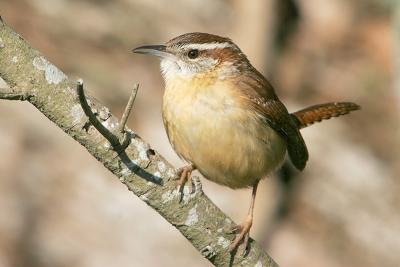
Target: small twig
[126, 137]
[128, 108]
[113, 139]
[125, 142]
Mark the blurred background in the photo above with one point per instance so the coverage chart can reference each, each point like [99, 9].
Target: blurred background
[343, 210]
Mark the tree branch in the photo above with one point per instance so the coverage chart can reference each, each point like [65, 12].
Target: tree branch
[146, 173]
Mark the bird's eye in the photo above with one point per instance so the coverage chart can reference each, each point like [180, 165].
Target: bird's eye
[192, 54]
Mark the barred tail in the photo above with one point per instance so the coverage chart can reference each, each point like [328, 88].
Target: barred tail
[317, 113]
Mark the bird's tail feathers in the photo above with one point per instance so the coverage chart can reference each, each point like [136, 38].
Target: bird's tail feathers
[317, 113]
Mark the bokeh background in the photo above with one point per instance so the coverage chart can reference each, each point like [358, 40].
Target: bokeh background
[343, 210]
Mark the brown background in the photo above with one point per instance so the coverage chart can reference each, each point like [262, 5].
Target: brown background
[343, 210]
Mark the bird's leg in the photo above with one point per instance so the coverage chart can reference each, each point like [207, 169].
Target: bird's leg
[184, 174]
[243, 229]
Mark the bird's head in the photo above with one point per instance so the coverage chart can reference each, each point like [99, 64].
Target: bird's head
[191, 54]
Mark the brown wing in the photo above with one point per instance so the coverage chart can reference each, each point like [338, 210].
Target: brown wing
[278, 117]
[263, 99]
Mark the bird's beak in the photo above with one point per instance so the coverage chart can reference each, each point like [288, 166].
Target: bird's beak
[154, 50]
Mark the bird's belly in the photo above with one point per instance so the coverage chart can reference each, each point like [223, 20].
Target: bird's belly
[228, 144]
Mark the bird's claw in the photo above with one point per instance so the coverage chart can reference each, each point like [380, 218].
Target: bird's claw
[184, 175]
[242, 236]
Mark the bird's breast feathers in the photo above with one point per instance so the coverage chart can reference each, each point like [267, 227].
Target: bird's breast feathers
[209, 125]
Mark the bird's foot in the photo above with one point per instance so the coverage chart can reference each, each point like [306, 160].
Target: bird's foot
[242, 235]
[184, 174]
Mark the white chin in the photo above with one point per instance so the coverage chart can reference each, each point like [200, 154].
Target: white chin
[169, 69]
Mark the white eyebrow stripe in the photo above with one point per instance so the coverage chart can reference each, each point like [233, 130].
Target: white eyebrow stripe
[208, 46]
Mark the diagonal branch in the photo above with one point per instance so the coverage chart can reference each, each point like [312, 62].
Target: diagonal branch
[146, 173]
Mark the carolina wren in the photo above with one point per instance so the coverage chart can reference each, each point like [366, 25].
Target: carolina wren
[223, 117]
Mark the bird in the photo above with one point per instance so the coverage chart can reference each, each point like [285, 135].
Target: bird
[224, 119]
